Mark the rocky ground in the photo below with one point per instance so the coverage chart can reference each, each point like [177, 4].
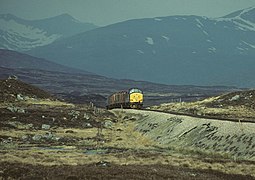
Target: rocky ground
[42, 137]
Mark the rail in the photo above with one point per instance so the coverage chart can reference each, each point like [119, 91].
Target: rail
[203, 116]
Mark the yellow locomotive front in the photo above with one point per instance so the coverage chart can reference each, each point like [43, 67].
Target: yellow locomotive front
[135, 98]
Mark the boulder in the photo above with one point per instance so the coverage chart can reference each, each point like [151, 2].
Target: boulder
[108, 124]
[86, 116]
[45, 126]
[15, 109]
[48, 135]
[87, 125]
[37, 137]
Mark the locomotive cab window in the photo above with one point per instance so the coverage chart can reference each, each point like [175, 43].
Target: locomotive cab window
[135, 91]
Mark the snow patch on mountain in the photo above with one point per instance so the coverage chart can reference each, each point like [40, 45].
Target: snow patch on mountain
[24, 37]
[238, 18]
[212, 49]
[157, 19]
[248, 44]
[221, 19]
[199, 23]
[149, 40]
[247, 10]
[166, 38]
[19, 29]
[244, 24]
[205, 33]
[140, 51]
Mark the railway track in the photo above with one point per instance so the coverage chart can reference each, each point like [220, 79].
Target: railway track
[205, 117]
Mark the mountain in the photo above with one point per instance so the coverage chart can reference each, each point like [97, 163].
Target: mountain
[20, 35]
[17, 60]
[174, 50]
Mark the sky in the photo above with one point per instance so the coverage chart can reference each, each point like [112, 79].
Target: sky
[105, 12]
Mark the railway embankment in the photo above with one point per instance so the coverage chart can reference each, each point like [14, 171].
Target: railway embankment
[234, 140]
[235, 106]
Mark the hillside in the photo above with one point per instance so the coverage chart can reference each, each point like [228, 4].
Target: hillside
[12, 89]
[17, 60]
[171, 50]
[21, 35]
[81, 88]
[238, 105]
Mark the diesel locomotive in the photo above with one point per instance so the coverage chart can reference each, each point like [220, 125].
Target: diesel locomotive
[133, 98]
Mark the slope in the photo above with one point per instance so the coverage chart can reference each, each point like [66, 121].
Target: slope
[12, 89]
[237, 105]
[16, 60]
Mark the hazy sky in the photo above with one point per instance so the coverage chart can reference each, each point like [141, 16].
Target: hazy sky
[103, 12]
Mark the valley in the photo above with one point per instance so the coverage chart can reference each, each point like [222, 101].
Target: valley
[85, 88]
[79, 86]
[192, 76]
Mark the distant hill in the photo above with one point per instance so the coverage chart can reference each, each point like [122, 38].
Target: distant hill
[238, 98]
[20, 35]
[12, 59]
[171, 50]
[85, 88]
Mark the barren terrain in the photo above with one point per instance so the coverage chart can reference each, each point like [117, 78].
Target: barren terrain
[45, 138]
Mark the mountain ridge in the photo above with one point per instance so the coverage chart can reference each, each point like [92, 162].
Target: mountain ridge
[178, 49]
[20, 34]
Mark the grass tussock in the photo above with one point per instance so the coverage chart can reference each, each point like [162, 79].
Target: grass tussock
[48, 102]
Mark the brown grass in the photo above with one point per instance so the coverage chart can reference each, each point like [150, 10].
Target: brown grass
[75, 157]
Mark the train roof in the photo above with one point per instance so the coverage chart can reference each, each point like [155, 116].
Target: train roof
[135, 90]
[128, 91]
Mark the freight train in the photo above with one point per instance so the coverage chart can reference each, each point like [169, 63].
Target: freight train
[133, 98]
